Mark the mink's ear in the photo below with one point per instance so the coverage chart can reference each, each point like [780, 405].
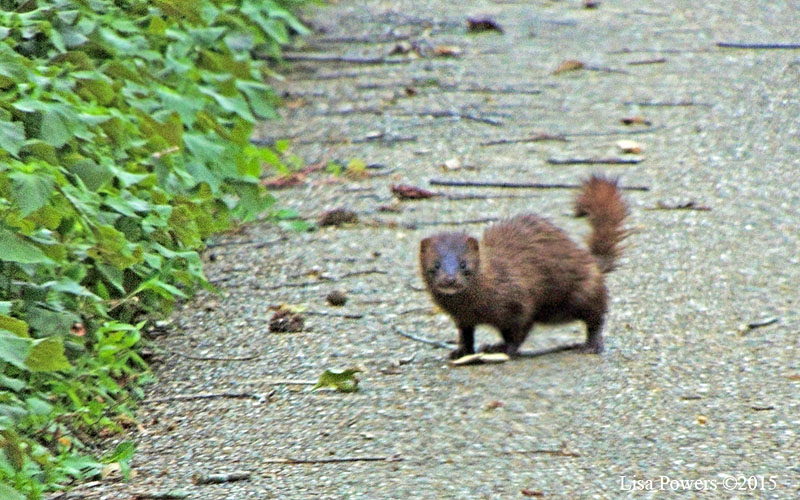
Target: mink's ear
[425, 246]
[472, 244]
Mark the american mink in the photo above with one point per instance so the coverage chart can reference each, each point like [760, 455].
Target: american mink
[527, 271]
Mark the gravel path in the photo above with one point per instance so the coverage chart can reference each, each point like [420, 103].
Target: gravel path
[685, 391]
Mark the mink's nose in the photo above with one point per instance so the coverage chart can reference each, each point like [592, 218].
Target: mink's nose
[448, 280]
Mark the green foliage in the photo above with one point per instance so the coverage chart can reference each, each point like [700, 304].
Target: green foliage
[342, 381]
[124, 144]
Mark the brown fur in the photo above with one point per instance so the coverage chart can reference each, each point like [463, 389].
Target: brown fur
[527, 271]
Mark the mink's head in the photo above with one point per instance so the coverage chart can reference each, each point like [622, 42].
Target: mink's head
[449, 262]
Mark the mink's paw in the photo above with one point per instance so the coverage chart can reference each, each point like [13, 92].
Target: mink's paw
[500, 347]
[591, 348]
[461, 352]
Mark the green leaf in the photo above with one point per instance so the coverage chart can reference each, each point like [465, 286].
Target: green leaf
[14, 325]
[47, 355]
[31, 191]
[9, 493]
[14, 248]
[342, 381]
[56, 129]
[38, 406]
[261, 98]
[14, 349]
[12, 136]
[122, 452]
[235, 105]
[14, 384]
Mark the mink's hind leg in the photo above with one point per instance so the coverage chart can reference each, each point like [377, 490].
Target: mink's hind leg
[466, 342]
[510, 344]
[594, 335]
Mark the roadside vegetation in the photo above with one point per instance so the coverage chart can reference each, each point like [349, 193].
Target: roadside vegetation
[124, 145]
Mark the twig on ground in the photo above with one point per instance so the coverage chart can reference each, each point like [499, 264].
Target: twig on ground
[221, 478]
[414, 310]
[456, 222]
[454, 114]
[362, 272]
[332, 460]
[216, 395]
[336, 315]
[534, 138]
[657, 60]
[558, 453]
[604, 69]
[159, 495]
[342, 59]
[666, 103]
[324, 278]
[259, 243]
[551, 350]
[520, 185]
[758, 46]
[213, 358]
[593, 161]
[434, 343]
[390, 37]
[689, 205]
[759, 324]
[493, 90]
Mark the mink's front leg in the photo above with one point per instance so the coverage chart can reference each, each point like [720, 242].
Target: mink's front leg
[466, 342]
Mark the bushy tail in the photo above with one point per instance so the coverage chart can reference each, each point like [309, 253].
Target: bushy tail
[600, 200]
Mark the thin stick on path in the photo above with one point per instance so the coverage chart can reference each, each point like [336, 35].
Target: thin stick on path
[759, 46]
[519, 185]
[342, 59]
[214, 358]
[594, 161]
[434, 343]
[332, 460]
[159, 495]
[215, 395]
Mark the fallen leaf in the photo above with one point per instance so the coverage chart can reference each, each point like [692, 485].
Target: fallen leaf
[286, 321]
[77, 329]
[342, 381]
[493, 405]
[794, 376]
[448, 51]
[481, 24]
[337, 217]
[568, 65]
[396, 209]
[636, 120]
[406, 192]
[629, 147]
[531, 493]
[295, 103]
[590, 4]
[702, 419]
[285, 181]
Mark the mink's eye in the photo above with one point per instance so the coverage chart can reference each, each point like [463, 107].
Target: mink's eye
[437, 265]
[463, 265]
